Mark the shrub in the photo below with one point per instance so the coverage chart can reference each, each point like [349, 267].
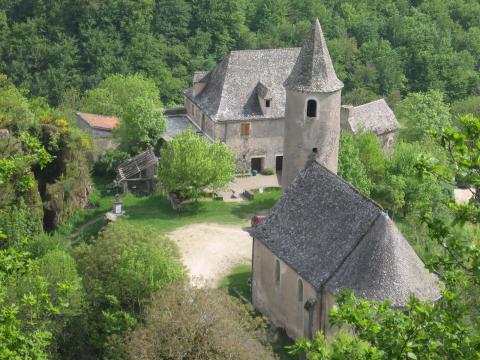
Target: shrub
[268, 171]
[183, 322]
[107, 163]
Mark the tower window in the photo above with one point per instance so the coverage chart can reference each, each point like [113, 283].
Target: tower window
[311, 108]
[267, 103]
[315, 150]
[277, 272]
[300, 290]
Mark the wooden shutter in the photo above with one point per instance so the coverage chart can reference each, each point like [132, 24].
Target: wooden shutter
[245, 129]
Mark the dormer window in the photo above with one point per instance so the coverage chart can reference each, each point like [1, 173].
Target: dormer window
[311, 108]
[267, 103]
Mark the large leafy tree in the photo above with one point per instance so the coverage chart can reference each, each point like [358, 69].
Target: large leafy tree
[190, 164]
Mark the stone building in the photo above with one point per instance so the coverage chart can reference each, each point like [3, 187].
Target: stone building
[99, 127]
[324, 236]
[375, 116]
[244, 101]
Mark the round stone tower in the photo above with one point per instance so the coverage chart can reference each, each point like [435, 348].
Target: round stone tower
[312, 109]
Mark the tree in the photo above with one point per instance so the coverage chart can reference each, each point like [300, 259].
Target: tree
[141, 126]
[120, 270]
[115, 93]
[419, 113]
[197, 323]
[190, 165]
[350, 167]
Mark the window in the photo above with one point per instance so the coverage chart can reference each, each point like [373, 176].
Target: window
[300, 290]
[245, 129]
[267, 103]
[315, 150]
[311, 108]
[277, 272]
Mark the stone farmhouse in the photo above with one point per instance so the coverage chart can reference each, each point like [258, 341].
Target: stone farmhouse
[323, 236]
[99, 127]
[244, 101]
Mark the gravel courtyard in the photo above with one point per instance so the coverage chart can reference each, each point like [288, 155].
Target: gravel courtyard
[209, 251]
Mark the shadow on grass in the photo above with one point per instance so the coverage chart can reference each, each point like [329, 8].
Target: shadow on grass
[237, 282]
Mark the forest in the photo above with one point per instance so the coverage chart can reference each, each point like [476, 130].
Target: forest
[74, 289]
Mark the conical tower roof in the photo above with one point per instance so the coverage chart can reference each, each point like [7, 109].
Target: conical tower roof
[313, 70]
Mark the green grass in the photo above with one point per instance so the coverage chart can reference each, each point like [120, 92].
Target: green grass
[238, 280]
[156, 211]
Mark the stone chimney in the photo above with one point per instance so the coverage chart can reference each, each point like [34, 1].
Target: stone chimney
[199, 81]
[346, 113]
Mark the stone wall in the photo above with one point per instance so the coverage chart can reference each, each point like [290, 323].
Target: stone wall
[279, 302]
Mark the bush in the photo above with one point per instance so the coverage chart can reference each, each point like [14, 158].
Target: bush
[183, 322]
[268, 171]
[107, 163]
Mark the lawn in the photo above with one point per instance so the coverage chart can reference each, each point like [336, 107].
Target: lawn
[238, 282]
[155, 211]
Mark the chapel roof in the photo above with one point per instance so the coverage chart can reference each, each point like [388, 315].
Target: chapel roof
[96, 121]
[335, 237]
[313, 70]
[375, 116]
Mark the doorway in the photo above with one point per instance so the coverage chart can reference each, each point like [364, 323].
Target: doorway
[278, 163]
[257, 163]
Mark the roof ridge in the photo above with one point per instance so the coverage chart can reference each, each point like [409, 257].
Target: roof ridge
[88, 113]
[258, 50]
[371, 102]
[315, 161]
[357, 244]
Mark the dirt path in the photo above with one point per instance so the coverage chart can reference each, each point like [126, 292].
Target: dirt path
[209, 251]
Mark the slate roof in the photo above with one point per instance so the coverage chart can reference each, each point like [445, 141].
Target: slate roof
[101, 122]
[333, 236]
[313, 70]
[131, 168]
[375, 116]
[231, 90]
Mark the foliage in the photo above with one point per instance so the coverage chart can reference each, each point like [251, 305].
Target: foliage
[379, 48]
[197, 323]
[108, 162]
[418, 113]
[30, 305]
[141, 126]
[114, 94]
[350, 167]
[268, 171]
[191, 164]
[120, 271]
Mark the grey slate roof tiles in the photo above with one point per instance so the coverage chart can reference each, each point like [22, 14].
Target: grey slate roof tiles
[375, 116]
[231, 91]
[333, 236]
[313, 70]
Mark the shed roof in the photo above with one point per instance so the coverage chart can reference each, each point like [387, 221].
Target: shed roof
[375, 116]
[333, 236]
[231, 92]
[132, 167]
[96, 121]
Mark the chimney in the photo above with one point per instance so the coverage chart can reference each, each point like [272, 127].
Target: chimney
[199, 82]
[346, 113]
